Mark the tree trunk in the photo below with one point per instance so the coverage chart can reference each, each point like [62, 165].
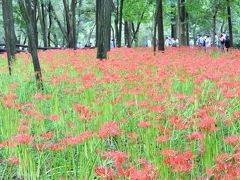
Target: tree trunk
[119, 35]
[230, 22]
[127, 35]
[173, 22]
[214, 28]
[103, 29]
[50, 22]
[26, 10]
[187, 29]
[182, 23]
[33, 9]
[42, 17]
[160, 26]
[71, 22]
[116, 22]
[155, 33]
[10, 39]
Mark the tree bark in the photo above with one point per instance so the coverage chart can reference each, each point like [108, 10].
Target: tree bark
[26, 9]
[173, 21]
[182, 23]
[155, 33]
[119, 35]
[127, 34]
[10, 39]
[103, 27]
[160, 26]
[50, 23]
[230, 22]
[70, 13]
[42, 17]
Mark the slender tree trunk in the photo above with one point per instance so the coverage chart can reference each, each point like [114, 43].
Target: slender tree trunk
[230, 22]
[116, 22]
[71, 22]
[42, 17]
[194, 35]
[113, 38]
[160, 26]
[50, 23]
[182, 23]
[187, 29]
[214, 28]
[98, 6]
[127, 34]
[10, 39]
[26, 10]
[119, 35]
[103, 29]
[173, 21]
[33, 9]
[155, 33]
[222, 26]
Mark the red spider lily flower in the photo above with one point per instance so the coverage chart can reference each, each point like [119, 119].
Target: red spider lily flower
[76, 139]
[72, 125]
[157, 109]
[104, 172]
[195, 136]
[47, 135]
[143, 103]
[23, 138]
[168, 152]
[133, 136]
[12, 160]
[227, 167]
[40, 117]
[53, 117]
[163, 139]
[207, 123]
[55, 147]
[109, 129]
[22, 128]
[181, 162]
[84, 113]
[7, 144]
[117, 156]
[40, 96]
[23, 122]
[143, 124]
[233, 140]
[30, 112]
[39, 147]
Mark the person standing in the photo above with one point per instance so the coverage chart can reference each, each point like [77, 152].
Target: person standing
[227, 43]
[216, 40]
[167, 42]
[207, 42]
[222, 42]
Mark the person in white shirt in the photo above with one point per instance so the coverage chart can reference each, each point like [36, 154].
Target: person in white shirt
[207, 42]
[167, 42]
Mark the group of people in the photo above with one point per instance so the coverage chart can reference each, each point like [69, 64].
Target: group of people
[171, 42]
[221, 41]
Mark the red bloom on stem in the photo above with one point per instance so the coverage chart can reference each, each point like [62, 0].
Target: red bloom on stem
[180, 162]
[23, 138]
[12, 160]
[195, 136]
[104, 172]
[143, 124]
[207, 123]
[109, 129]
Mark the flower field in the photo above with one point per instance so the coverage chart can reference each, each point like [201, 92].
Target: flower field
[134, 116]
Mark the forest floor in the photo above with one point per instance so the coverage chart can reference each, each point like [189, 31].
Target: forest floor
[175, 115]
